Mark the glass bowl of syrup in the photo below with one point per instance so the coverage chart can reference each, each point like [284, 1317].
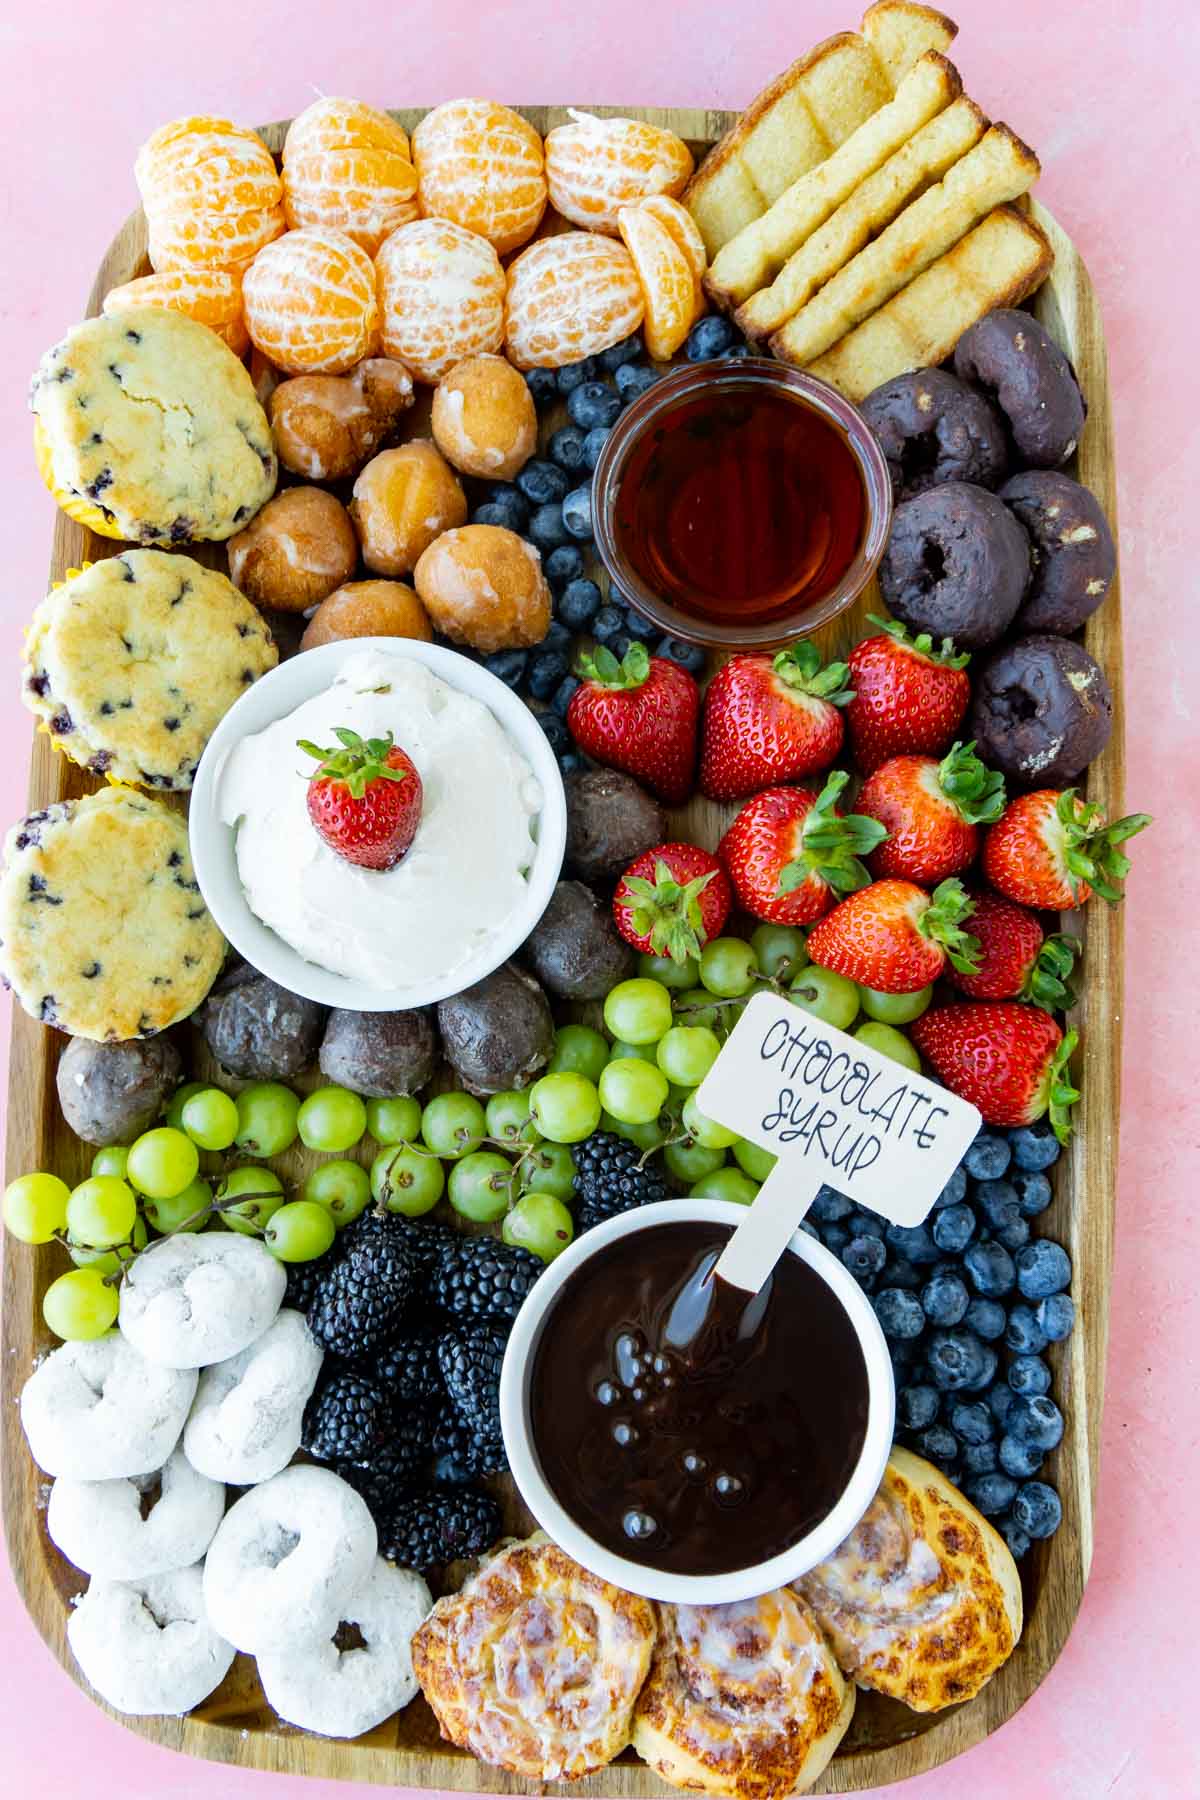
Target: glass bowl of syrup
[741, 503]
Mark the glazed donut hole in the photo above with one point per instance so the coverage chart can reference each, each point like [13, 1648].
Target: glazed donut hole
[484, 420]
[295, 551]
[933, 428]
[483, 585]
[326, 426]
[403, 500]
[359, 609]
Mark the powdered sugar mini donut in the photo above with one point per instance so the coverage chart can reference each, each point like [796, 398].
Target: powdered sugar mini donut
[287, 1558]
[147, 1646]
[189, 1301]
[98, 1525]
[342, 1693]
[245, 1423]
[98, 1411]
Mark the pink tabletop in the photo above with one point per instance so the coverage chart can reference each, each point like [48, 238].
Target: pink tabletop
[1106, 92]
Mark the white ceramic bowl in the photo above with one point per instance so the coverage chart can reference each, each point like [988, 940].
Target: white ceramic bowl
[214, 856]
[639, 1578]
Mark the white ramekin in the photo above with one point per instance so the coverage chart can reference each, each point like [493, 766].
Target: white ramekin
[639, 1578]
[214, 856]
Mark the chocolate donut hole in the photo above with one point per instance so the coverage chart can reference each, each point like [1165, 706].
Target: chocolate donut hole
[957, 565]
[932, 429]
[1074, 558]
[1017, 364]
[1041, 712]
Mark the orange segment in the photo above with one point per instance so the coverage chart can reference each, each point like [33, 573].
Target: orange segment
[348, 166]
[480, 165]
[668, 285]
[211, 194]
[310, 302]
[441, 296]
[679, 224]
[596, 166]
[212, 297]
[569, 297]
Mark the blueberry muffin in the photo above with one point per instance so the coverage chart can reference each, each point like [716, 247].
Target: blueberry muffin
[147, 428]
[130, 663]
[103, 931]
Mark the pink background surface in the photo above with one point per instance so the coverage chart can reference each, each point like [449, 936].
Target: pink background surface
[1106, 92]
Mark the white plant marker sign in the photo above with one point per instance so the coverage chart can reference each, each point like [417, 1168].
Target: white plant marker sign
[833, 1111]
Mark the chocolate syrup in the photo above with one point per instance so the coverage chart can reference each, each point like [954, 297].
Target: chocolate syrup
[703, 1448]
[741, 505]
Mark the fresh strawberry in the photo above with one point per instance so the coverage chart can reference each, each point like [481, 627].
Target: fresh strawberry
[790, 853]
[1017, 961]
[1053, 850]
[1009, 1060]
[670, 901]
[639, 715]
[895, 937]
[932, 812]
[770, 719]
[907, 695]
[364, 799]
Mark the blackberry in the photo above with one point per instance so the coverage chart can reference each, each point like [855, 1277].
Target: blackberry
[394, 1466]
[459, 1456]
[481, 1277]
[347, 1420]
[360, 1299]
[610, 1179]
[304, 1278]
[471, 1356]
[435, 1525]
[426, 1243]
[408, 1369]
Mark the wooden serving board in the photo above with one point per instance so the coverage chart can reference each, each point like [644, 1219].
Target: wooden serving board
[887, 1742]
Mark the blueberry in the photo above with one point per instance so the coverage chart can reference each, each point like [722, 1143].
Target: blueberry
[972, 1421]
[572, 763]
[557, 637]
[739, 353]
[563, 565]
[546, 670]
[864, 1256]
[571, 375]
[1034, 1147]
[507, 666]
[566, 445]
[493, 513]
[1035, 1421]
[1033, 1191]
[628, 350]
[945, 1299]
[592, 404]
[917, 1406]
[990, 1154]
[1019, 1460]
[990, 1269]
[953, 1227]
[606, 625]
[980, 1459]
[913, 1241]
[987, 1371]
[543, 385]
[639, 624]
[1014, 1236]
[1024, 1334]
[987, 1318]
[1000, 1400]
[992, 1494]
[547, 529]
[564, 693]
[579, 602]
[593, 445]
[830, 1205]
[577, 511]
[997, 1201]
[1056, 1316]
[507, 494]
[939, 1444]
[835, 1237]
[899, 1313]
[633, 380]
[900, 1273]
[688, 656]
[957, 1359]
[1037, 1509]
[711, 336]
[543, 482]
[954, 1190]
[1043, 1268]
[865, 1224]
[557, 735]
[1029, 1375]
[620, 644]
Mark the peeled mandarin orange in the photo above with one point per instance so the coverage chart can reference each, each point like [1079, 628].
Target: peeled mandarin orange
[212, 297]
[348, 166]
[480, 165]
[211, 194]
[569, 297]
[668, 285]
[596, 166]
[441, 296]
[310, 302]
[679, 224]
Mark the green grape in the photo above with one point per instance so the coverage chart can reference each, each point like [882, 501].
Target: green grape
[342, 1188]
[481, 1186]
[638, 1012]
[331, 1119]
[580, 1050]
[210, 1119]
[672, 974]
[646, 1137]
[697, 1007]
[79, 1305]
[162, 1162]
[565, 1107]
[507, 1116]
[179, 1099]
[453, 1125]
[407, 1180]
[266, 1118]
[259, 1196]
[706, 1131]
[692, 1162]
[618, 1050]
[894, 1009]
[113, 1159]
[394, 1121]
[686, 1053]
[633, 1091]
[889, 1042]
[107, 1262]
[830, 997]
[725, 1184]
[187, 1211]
[752, 1160]
[101, 1212]
[299, 1232]
[781, 950]
[549, 1169]
[540, 1223]
[728, 967]
[35, 1207]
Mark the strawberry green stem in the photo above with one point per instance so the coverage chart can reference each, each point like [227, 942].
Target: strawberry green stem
[977, 791]
[941, 922]
[1060, 1094]
[947, 656]
[359, 761]
[800, 667]
[1091, 851]
[602, 667]
[668, 912]
[832, 846]
[1047, 984]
